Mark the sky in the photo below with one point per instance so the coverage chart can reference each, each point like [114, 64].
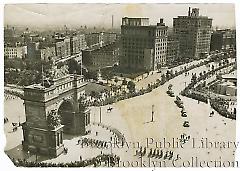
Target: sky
[100, 15]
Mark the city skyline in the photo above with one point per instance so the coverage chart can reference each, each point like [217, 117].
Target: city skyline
[73, 15]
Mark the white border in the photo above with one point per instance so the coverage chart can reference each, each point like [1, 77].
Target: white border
[6, 164]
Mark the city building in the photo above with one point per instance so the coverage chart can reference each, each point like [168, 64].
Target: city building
[143, 46]
[231, 77]
[223, 39]
[78, 43]
[194, 33]
[33, 51]
[172, 50]
[101, 57]
[47, 53]
[109, 37]
[100, 38]
[14, 52]
[63, 48]
[228, 84]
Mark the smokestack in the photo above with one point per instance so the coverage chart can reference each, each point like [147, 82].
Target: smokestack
[189, 11]
[112, 21]
[161, 20]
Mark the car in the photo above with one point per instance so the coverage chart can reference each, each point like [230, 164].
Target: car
[186, 124]
[184, 114]
[180, 105]
[183, 110]
[171, 95]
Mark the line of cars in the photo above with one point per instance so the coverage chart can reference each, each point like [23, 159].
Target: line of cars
[179, 103]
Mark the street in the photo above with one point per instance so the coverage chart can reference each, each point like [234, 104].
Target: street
[132, 118]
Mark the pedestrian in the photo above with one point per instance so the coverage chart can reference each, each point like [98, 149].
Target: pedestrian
[150, 153]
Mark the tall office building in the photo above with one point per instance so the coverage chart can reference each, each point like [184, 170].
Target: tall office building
[194, 33]
[143, 46]
[223, 39]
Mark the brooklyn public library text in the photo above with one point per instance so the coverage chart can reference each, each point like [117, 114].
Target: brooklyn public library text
[201, 143]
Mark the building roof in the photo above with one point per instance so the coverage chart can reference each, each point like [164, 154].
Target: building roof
[232, 75]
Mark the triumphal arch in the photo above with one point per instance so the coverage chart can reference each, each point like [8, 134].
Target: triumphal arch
[53, 108]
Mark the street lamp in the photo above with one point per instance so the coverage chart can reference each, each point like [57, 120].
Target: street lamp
[100, 115]
[152, 113]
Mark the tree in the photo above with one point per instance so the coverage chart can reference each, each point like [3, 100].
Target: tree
[194, 78]
[131, 86]
[91, 75]
[93, 93]
[212, 67]
[163, 78]
[124, 82]
[53, 119]
[116, 80]
[168, 75]
[107, 75]
[159, 65]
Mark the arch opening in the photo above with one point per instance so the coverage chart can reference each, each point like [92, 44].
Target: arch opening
[66, 111]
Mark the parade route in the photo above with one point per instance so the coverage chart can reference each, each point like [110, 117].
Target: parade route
[132, 117]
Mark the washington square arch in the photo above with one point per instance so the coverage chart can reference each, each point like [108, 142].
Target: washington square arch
[58, 100]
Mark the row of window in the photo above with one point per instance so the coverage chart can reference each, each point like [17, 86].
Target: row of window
[161, 40]
[62, 87]
[161, 33]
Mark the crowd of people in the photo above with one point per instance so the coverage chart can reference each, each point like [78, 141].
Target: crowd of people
[155, 153]
[86, 142]
[219, 105]
[103, 159]
[10, 94]
[216, 103]
[196, 96]
[120, 137]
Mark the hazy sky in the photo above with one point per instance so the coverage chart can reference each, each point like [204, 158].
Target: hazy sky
[100, 14]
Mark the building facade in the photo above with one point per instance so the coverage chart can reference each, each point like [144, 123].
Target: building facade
[194, 32]
[62, 97]
[223, 39]
[78, 43]
[101, 57]
[63, 47]
[172, 50]
[47, 53]
[143, 46]
[33, 52]
[15, 52]
[100, 38]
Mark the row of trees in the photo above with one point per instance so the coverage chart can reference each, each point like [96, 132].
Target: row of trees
[24, 72]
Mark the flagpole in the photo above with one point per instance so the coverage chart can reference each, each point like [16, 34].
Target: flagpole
[81, 67]
[42, 77]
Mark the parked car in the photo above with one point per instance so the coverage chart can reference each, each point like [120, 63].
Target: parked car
[183, 112]
[180, 105]
[186, 124]
[170, 93]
